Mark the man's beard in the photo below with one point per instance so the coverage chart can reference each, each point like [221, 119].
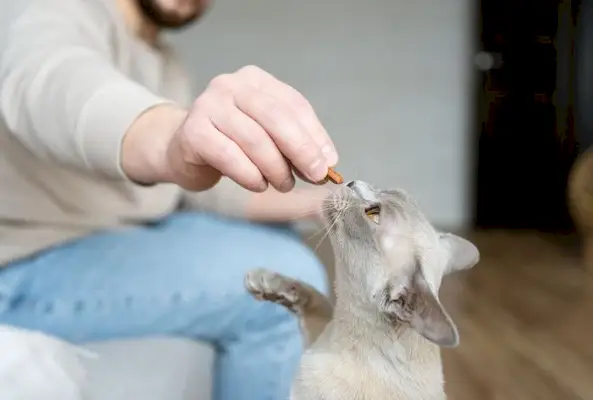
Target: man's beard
[168, 19]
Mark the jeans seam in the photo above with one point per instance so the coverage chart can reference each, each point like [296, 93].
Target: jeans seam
[81, 305]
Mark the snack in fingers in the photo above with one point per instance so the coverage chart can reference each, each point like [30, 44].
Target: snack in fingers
[334, 176]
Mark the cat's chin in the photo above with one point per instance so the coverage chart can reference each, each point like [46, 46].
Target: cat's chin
[334, 202]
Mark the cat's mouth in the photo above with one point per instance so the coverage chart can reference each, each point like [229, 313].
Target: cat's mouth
[336, 203]
[349, 194]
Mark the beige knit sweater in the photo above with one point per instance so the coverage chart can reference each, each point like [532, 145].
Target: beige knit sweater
[72, 80]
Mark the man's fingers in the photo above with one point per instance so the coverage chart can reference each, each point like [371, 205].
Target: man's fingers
[305, 113]
[282, 124]
[189, 175]
[255, 129]
[256, 143]
[221, 153]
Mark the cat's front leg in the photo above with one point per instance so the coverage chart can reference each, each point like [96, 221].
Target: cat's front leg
[312, 307]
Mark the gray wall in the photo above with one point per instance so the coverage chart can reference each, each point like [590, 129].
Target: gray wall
[390, 79]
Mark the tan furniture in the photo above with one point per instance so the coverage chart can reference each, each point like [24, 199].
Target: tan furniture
[580, 199]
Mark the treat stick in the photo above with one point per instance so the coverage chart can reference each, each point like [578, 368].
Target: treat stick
[334, 176]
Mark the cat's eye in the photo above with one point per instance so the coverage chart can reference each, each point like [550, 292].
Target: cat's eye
[373, 213]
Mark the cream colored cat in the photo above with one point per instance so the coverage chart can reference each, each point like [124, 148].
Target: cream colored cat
[381, 340]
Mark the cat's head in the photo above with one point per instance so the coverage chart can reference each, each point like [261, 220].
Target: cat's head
[390, 252]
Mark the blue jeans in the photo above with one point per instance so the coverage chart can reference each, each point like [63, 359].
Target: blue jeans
[183, 277]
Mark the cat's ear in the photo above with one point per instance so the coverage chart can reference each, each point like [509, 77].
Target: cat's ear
[428, 317]
[416, 303]
[463, 254]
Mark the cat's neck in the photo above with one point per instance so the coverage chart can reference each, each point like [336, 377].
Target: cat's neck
[354, 305]
[358, 320]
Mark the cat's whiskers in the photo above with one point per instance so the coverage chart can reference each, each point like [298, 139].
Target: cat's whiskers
[323, 228]
[340, 205]
[343, 205]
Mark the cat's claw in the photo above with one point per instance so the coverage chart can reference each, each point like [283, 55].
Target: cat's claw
[271, 286]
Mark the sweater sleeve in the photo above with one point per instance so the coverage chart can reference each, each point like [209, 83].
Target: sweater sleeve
[61, 95]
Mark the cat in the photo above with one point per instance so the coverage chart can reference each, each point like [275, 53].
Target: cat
[382, 337]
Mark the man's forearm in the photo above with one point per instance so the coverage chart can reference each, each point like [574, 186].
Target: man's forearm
[273, 206]
[144, 148]
[62, 96]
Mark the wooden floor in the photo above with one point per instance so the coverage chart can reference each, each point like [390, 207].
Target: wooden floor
[525, 315]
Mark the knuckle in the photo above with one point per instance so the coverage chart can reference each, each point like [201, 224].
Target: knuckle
[250, 70]
[273, 108]
[222, 154]
[308, 151]
[302, 106]
[300, 101]
[249, 135]
[304, 113]
[222, 82]
[252, 138]
[202, 102]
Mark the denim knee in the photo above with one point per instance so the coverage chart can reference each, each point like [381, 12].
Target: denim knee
[303, 263]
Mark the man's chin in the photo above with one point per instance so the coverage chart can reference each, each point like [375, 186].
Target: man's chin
[170, 19]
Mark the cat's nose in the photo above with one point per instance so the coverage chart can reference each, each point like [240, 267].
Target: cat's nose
[362, 190]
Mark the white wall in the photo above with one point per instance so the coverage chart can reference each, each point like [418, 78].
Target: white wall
[390, 79]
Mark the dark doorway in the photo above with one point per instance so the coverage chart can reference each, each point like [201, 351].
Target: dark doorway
[526, 140]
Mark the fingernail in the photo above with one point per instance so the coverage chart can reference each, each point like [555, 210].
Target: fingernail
[263, 186]
[287, 185]
[317, 170]
[330, 154]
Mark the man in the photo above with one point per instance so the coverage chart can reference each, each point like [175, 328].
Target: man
[100, 144]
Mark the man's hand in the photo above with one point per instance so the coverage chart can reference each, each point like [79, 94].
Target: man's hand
[248, 126]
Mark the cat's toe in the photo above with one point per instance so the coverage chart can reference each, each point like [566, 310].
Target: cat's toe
[269, 285]
[255, 282]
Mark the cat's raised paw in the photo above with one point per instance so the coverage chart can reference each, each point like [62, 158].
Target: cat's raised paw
[271, 286]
